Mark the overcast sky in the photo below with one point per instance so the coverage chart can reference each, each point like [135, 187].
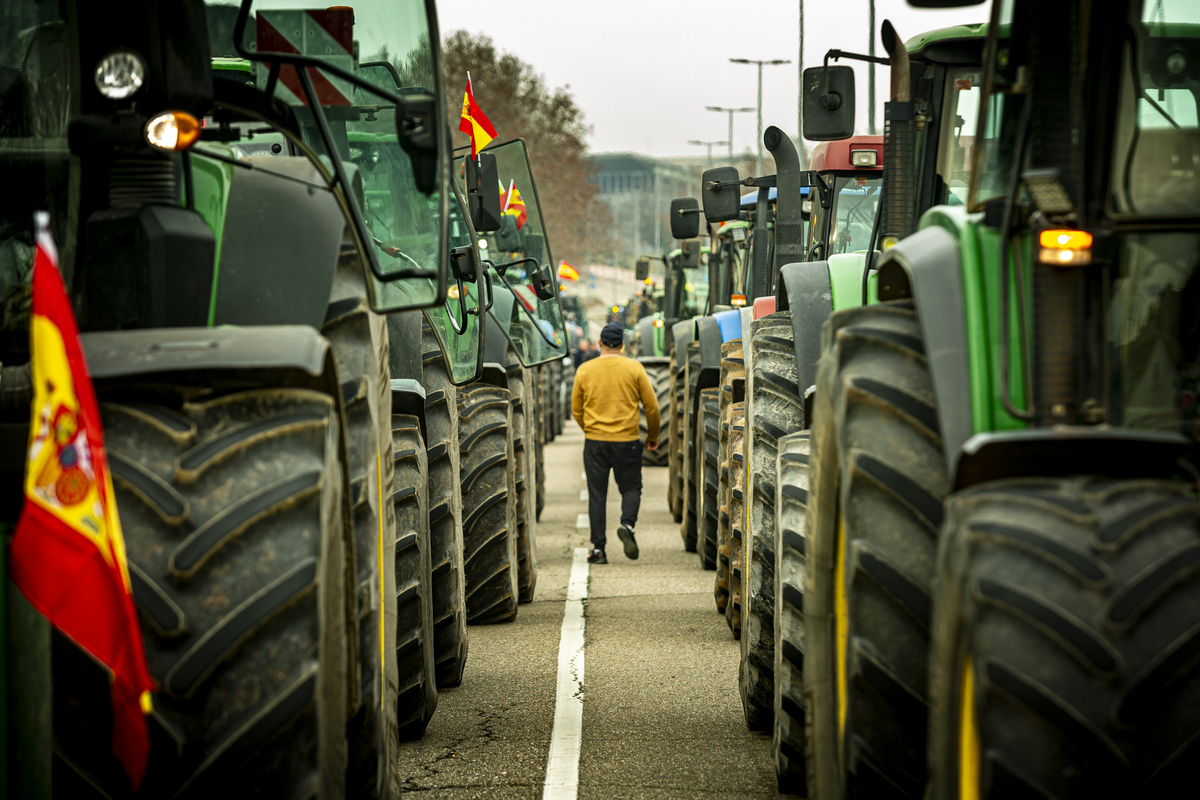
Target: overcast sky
[644, 70]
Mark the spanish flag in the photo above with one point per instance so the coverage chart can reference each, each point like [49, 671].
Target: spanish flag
[513, 205]
[567, 272]
[68, 554]
[474, 122]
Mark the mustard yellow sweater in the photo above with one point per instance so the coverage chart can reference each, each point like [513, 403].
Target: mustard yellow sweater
[605, 399]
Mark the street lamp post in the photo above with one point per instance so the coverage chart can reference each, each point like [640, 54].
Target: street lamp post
[772, 63]
[731, 111]
[709, 145]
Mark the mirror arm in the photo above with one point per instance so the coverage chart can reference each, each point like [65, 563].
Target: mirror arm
[839, 54]
[526, 311]
[491, 294]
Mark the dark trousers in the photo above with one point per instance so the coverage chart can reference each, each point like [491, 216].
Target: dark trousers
[625, 461]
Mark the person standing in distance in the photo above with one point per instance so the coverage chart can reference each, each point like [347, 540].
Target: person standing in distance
[605, 404]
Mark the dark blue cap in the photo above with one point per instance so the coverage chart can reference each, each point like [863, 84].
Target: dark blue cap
[612, 334]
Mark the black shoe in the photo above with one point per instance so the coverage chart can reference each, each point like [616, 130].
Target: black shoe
[597, 556]
[626, 535]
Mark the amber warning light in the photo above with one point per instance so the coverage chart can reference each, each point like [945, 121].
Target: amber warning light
[1065, 248]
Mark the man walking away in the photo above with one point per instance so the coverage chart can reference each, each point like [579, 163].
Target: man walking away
[605, 404]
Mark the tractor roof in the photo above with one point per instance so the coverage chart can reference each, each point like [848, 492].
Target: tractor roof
[835, 156]
[954, 33]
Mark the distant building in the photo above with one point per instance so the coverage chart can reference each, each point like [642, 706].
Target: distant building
[639, 190]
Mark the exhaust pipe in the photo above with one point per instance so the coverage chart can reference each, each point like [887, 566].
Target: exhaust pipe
[789, 219]
[899, 143]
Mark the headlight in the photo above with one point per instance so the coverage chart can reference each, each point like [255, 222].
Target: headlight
[864, 158]
[120, 73]
[173, 130]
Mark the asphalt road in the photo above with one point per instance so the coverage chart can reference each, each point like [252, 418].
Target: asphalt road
[661, 712]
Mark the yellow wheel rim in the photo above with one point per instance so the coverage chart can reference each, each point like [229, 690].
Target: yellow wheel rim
[968, 736]
[842, 625]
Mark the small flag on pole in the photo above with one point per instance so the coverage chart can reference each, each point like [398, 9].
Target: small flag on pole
[68, 553]
[567, 272]
[475, 123]
[514, 205]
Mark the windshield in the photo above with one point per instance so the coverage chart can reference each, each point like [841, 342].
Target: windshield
[695, 289]
[386, 42]
[1156, 157]
[459, 331]
[964, 86]
[855, 201]
[35, 164]
[520, 255]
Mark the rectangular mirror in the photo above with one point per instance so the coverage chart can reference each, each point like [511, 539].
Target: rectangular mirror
[641, 269]
[483, 199]
[690, 257]
[685, 218]
[828, 100]
[722, 194]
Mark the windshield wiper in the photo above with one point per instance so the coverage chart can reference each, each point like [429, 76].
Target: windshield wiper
[1161, 110]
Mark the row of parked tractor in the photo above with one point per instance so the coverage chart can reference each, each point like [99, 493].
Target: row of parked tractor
[327, 364]
[932, 413]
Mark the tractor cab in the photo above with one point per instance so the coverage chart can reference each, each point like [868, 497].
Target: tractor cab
[843, 210]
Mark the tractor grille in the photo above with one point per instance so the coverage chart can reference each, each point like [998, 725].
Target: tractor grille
[146, 178]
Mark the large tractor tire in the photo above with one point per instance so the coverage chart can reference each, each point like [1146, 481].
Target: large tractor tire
[675, 440]
[737, 516]
[539, 439]
[489, 521]
[708, 471]
[878, 481]
[522, 427]
[791, 532]
[358, 340]
[731, 369]
[660, 381]
[445, 514]
[775, 409]
[416, 658]
[236, 522]
[1065, 631]
[689, 528]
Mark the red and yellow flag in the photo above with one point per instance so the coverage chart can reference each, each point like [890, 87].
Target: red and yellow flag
[474, 122]
[68, 554]
[513, 205]
[568, 272]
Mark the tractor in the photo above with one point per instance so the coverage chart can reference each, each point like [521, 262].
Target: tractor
[1000, 484]
[248, 244]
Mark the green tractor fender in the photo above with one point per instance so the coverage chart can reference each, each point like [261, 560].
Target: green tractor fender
[651, 339]
[408, 397]
[805, 291]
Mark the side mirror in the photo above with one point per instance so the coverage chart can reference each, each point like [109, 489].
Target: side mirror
[642, 269]
[685, 218]
[418, 139]
[690, 259]
[464, 263]
[543, 283]
[508, 237]
[722, 194]
[828, 103]
[483, 199]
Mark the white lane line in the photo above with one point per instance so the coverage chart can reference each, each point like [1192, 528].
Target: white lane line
[581, 521]
[583, 495]
[562, 766]
[583, 476]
